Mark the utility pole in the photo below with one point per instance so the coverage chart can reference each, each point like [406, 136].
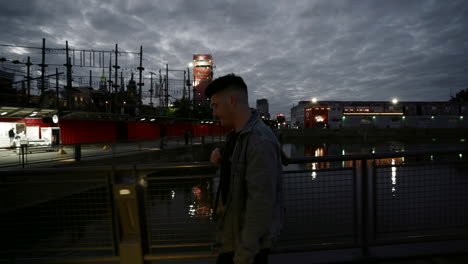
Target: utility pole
[90, 87]
[166, 102]
[110, 73]
[140, 69]
[188, 83]
[28, 79]
[160, 88]
[194, 90]
[116, 67]
[43, 65]
[183, 93]
[122, 84]
[90, 79]
[56, 88]
[122, 96]
[69, 77]
[151, 89]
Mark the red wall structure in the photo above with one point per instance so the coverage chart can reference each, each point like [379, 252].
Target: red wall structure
[143, 130]
[90, 131]
[86, 131]
[178, 129]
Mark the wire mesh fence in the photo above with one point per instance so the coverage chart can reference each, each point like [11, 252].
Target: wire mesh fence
[64, 214]
[421, 199]
[320, 207]
[179, 212]
[360, 202]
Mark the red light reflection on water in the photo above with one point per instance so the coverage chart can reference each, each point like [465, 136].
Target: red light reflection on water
[201, 207]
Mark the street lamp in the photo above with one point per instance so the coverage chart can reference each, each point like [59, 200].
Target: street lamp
[395, 101]
[314, 100]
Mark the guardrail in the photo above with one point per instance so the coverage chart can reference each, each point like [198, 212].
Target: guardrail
[139, 213]
[23, 155]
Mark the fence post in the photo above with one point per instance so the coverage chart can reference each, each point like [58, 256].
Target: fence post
[364, 209]
[127, 209]
[78, 152]
[23, 152]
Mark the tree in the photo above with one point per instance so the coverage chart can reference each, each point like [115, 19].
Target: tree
[461, 97]
[182, 107]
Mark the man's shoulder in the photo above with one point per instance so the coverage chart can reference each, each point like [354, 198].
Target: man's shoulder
[261, 133]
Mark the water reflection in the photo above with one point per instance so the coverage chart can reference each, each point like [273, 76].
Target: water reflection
[201, 206]
[394, 175]
[314, 173]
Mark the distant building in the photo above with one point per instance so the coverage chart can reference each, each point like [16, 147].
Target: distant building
[280, 118]
[202, 75]
[378, 114]
[262, 108]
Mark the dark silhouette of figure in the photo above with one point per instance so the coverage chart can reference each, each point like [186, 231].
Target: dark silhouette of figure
[187, 136]
[163, 137]
[11, 135]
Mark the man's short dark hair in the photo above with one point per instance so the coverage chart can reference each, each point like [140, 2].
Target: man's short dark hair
[224, 82]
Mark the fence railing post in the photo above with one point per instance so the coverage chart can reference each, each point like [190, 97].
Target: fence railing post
[127, 209]
[364, 209]
[23, 152]
[78, 152]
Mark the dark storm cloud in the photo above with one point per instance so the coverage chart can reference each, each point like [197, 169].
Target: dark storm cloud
[286, 51]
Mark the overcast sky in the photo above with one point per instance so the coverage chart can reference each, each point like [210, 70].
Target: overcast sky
[286, 51]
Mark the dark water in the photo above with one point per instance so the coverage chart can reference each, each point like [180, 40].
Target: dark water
[410, 197]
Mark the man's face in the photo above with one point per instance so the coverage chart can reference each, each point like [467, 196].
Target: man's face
[221, 109]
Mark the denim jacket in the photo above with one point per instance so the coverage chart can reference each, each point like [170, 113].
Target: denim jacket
[253, 214]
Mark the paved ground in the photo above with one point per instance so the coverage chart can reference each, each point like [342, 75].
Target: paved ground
[49, 156]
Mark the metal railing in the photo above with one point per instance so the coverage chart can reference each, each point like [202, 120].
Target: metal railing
[23, 155]
[138, 213]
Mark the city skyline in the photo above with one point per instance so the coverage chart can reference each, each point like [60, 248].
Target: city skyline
[330, 50]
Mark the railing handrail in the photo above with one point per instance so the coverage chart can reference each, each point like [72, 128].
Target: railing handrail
[206, 164]
[371, 156]
[104, 168]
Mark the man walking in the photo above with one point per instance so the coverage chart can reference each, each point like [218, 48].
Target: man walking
[11, 135]
[248, 207]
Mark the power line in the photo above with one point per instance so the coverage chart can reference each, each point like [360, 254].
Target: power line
[6, 68]
[63, 49]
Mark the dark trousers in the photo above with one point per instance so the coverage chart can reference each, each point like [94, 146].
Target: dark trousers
[227, 258]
